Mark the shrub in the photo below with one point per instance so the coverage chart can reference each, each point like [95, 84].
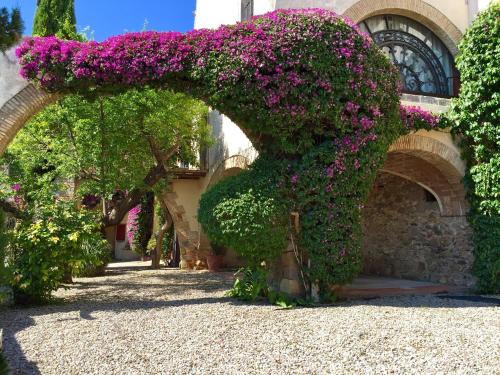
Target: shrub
[96, 254]
[475, 119]
[59, 235]
[4, 367]
[247, 214]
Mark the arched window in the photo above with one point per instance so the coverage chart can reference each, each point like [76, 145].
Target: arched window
[246, 9]
[425, 64]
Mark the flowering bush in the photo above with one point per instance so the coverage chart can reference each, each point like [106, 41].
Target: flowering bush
[415, 118]
[316, 97]
[40, 249]
[133, 224]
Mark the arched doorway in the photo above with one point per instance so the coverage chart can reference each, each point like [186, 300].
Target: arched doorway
[414, 221]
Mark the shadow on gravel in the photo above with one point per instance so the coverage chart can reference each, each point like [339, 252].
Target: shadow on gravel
[143, 291]
[116, 294]
[12, 350]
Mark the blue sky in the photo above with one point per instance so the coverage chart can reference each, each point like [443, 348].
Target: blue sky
[112, 17]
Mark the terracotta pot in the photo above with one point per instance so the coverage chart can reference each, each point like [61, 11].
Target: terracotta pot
[214, 262]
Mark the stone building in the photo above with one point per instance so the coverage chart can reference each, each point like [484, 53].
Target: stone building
[415, 224]
[414, 221]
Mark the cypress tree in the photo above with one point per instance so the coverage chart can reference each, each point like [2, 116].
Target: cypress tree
[11, 28]
[55, 17]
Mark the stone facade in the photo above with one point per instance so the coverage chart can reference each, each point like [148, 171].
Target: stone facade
[405, 235]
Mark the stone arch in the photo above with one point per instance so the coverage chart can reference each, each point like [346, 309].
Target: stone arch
[18, 109]
[434, 165]
[19, 100]
[418, 10]
[229, 167]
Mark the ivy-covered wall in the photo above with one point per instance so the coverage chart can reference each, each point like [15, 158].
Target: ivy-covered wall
[475, 117]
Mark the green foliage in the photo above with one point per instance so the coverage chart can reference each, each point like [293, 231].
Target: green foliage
[251, 285]
[11, 28]
[4, 240]
[59, 235]
[103, 145]
[96, 254]
[246, 213]
[55, 17]
[475, 119]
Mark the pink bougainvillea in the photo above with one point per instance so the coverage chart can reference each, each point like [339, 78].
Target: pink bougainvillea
[415, 118]
[132, 223]
[316, 97]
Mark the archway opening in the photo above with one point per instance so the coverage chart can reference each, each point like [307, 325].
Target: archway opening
[407, 237]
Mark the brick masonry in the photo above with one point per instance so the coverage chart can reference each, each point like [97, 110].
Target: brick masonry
[405, 236]
[450, 195]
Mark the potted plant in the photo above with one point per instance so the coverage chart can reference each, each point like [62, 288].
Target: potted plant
[216, 259]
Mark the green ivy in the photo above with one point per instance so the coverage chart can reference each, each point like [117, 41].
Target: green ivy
[475, 118]
[247, 212]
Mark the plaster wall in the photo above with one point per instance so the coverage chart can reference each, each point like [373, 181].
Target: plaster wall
[10, 80]
[189, 192]
[456, 10]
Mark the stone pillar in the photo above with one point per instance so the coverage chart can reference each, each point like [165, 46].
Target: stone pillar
[284, 274]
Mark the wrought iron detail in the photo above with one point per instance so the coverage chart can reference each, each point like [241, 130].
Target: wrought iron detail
[420, 69]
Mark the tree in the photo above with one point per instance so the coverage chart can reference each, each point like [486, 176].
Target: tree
[126, 143]
[11, 28]
[55, 17]
[475, 117]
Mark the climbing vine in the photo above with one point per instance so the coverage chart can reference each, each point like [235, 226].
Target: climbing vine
[475, 119]
[316, 97]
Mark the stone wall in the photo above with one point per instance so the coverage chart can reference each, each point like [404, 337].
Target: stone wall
[406, 236]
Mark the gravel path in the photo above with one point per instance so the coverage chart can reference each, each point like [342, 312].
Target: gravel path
[178, 322]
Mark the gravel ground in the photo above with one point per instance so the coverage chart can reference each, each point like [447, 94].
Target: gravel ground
[178, 322]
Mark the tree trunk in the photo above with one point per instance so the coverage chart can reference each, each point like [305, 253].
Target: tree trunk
[156, 257]
[117, 212]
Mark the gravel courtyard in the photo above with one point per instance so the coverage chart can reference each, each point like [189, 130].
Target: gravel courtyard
[178, 322]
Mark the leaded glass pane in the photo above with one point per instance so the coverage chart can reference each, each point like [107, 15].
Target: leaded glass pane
[425, 65]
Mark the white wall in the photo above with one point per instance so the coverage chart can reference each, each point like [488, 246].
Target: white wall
[211, 14]
[10, 80]
[230, 140]
[456, 10]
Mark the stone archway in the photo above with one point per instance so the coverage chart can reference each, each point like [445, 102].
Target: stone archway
[229, 167]
[414, 220]
[19, 100]
[418, 10]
